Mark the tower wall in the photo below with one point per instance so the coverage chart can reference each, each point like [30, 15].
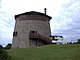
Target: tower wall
[26, 23]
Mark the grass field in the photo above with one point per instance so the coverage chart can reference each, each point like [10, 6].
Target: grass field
[48, 52]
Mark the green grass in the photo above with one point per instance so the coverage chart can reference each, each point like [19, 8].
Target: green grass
[48, 52]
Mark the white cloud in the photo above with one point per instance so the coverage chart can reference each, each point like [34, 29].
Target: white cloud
[69, 21]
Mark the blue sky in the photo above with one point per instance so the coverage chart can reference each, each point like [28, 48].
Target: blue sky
[65, 17]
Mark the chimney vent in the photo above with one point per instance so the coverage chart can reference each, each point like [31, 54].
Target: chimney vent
[45, 10]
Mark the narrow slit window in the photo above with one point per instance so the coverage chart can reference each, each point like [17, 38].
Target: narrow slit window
[15, 33]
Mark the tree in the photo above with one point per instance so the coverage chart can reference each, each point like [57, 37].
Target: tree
[1, 47]
[8, 46]
[78, 41]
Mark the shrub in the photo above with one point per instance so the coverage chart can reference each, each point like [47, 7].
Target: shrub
[4, 55]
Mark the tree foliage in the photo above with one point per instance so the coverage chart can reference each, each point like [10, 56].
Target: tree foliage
[78, 41]
[8, 46]
[1, 47]
[4, 55]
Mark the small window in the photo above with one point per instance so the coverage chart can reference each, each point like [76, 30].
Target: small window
[15, 33]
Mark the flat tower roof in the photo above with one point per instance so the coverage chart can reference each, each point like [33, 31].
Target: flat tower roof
[33, 13]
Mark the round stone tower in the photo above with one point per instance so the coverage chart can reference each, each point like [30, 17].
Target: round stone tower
[28, 25]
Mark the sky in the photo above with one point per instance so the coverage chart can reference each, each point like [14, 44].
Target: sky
[65, 17]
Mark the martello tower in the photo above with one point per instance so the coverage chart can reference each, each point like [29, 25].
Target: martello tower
[31, 29]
